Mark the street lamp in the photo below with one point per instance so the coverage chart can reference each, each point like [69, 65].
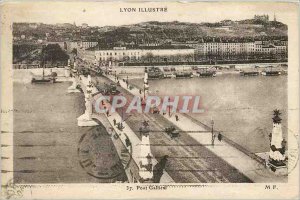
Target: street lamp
[169, 107]
[212, 130]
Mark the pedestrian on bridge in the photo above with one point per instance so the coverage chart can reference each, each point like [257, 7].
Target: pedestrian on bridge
[220, 137]
[115, 122]
[177, 118]
[213, 140]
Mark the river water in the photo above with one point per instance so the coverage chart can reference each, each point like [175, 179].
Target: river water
[46, 137]
[241, 107]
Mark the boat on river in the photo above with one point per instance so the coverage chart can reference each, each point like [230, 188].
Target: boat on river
[249, 73]
[180, 74]
[206, 73]
[155, 73]
[271, 72]
[45, 79]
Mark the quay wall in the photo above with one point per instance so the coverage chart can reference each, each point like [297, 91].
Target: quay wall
[25, 75]
[226, 62]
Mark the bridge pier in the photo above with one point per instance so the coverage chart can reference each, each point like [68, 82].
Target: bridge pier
[68, 70]
[86, 118]
[73, 87]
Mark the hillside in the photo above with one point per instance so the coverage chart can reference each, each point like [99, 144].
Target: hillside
[151, 32]
[160, 32]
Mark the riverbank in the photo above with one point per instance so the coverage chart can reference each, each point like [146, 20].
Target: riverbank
[206, 62]
[26, 75]
[135, 71]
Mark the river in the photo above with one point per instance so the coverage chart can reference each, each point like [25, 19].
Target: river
[46, 137]
[241, 107]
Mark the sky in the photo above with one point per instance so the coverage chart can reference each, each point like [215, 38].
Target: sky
[108, 13]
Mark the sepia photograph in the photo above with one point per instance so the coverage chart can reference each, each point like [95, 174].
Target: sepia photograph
[151, 97]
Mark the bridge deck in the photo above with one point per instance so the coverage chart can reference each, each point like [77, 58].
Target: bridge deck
[238, 160]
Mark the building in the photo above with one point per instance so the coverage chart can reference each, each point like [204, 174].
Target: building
[153, 54]
[86, 55]
[87, 44]
[205, 49]
[225, 49]
[84, 25]
[264, 18]
[224, 28]
[61, 44]
[71, 45]
[33, 25]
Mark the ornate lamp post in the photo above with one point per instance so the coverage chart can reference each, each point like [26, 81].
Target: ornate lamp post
[277, 155]
[212, 132]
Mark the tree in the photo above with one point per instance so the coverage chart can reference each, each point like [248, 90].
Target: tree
[177, 57]
[54, 54]
[189, 57]
[149, 57]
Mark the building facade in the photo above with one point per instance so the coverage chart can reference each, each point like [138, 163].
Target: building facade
[87, 44]
[229, 50]
[151, 55]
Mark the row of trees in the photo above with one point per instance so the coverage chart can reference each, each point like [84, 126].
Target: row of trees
[243, 56]
[23, 51]
[187, 58]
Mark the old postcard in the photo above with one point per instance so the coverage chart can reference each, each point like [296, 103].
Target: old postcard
[142, 100]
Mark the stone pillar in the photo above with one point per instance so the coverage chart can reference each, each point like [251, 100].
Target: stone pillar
[146, 85]
[86, 118]
[75, 65]
[68, 70]
[277, 155]
[73, 87]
